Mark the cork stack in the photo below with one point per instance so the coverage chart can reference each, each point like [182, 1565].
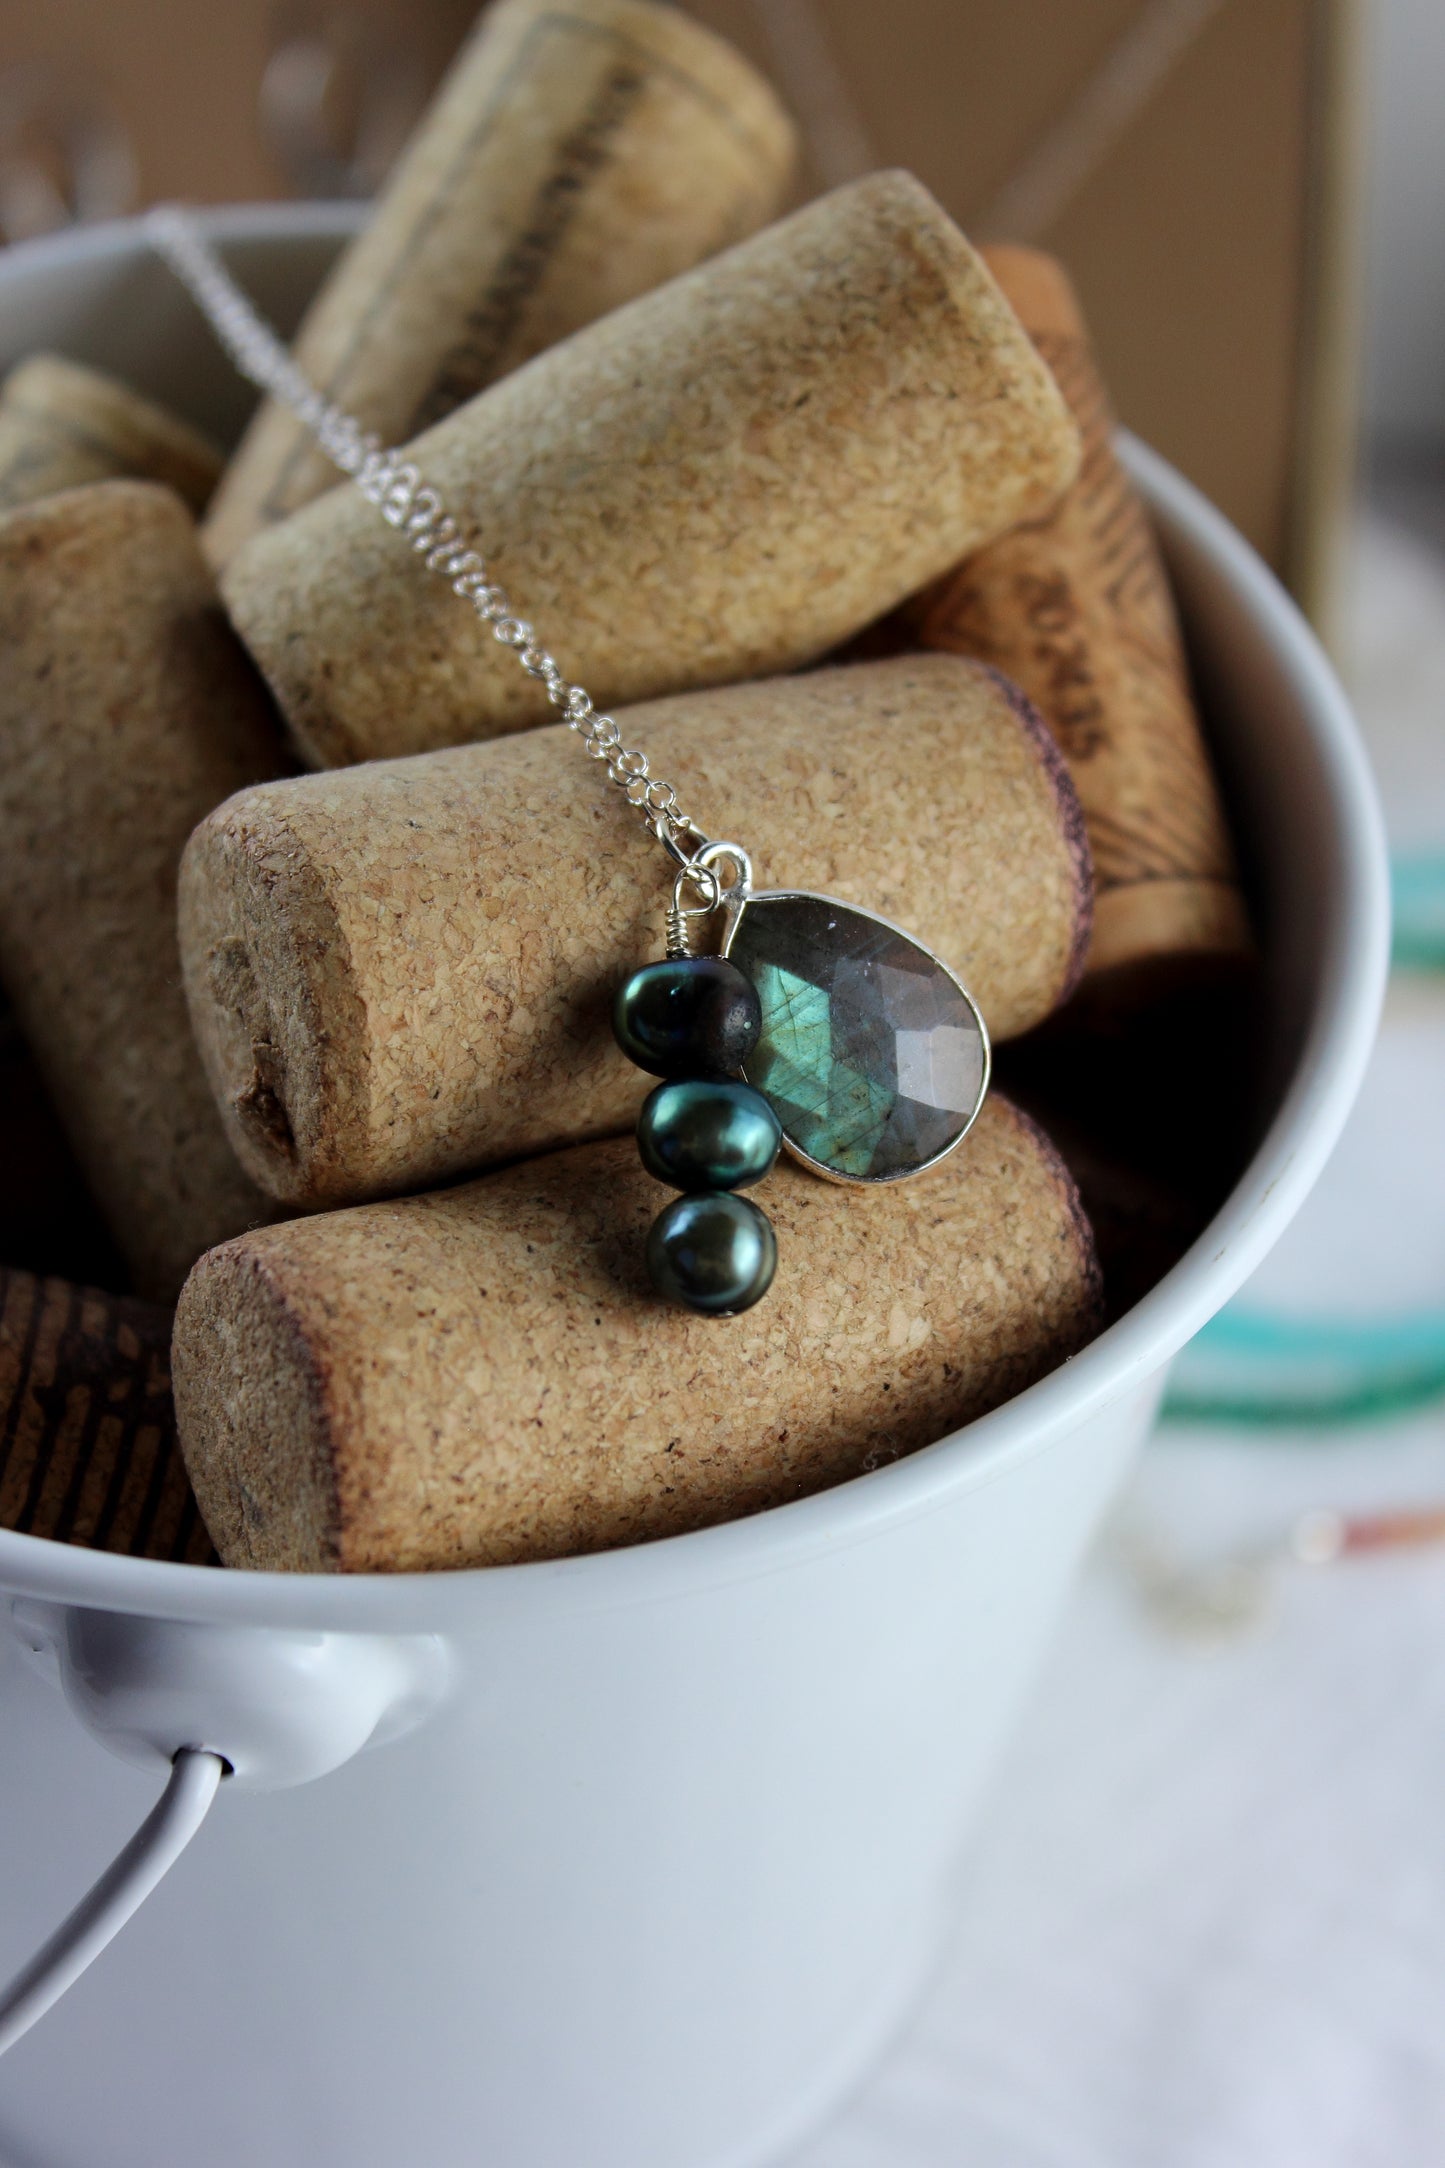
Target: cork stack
[724, 478]
[63, 425]
[483, 1375]
[579, 153]
[127, 710]
[88, 1449]
[1075, 607]
[403, 972]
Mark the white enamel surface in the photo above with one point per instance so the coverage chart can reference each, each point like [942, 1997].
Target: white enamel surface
[650, 1881]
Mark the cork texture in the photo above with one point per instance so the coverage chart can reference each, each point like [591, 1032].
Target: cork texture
[723, 479]
[127, 711]
[1075, 607]
[63, 425]
[88, 1449]
[402, 972]
[483, 1375]
[579, 153]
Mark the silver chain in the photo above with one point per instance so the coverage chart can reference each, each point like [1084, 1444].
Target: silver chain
[409, 503]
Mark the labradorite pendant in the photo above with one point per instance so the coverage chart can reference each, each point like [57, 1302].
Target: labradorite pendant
[847, 1037]
[872, 1053]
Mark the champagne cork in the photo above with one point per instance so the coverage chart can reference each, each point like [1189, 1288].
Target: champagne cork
[127, 710]
[402, 972]
[1075, 607]
[88, 1448]
[724, 479]
[63, 425]
[483, 1375]
[579, 153]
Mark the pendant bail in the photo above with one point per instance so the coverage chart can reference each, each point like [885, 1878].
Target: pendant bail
[733, 898]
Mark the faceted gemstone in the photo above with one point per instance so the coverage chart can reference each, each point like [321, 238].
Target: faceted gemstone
[870, 1054]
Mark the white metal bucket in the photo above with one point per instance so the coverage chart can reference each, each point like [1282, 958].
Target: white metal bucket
[649, 1850]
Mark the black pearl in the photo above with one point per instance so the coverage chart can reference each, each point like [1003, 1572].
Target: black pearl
[713, 1251]
[688, 1016]
[708, 1133]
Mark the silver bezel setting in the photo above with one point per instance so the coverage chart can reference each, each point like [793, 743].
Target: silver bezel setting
[735, 901]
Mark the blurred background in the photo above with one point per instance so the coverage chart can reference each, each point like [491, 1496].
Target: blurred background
[1200, 164]
[1246, 191]
[1207, 1924]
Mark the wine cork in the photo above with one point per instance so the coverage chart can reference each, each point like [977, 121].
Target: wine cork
[1075, 607]
[63, 425]
[579, 153]
[1143, 1219]
[402, 972]
[483, 1375]
[88, 1449]
[127, 710]
[721, 480]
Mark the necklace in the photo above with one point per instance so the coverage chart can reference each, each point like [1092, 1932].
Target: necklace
[808, 1024]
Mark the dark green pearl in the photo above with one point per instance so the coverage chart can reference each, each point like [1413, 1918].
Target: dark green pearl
[713, 1251]
[708, 1133]
[688, 1016]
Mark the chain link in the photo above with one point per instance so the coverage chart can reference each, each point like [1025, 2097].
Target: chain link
[409, 503]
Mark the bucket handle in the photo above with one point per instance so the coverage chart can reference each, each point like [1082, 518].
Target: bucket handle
[124, 1887]
[262, 1707]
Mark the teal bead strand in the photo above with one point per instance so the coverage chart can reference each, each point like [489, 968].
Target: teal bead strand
[712, 1251]
[694, 1020]
[701, 1133]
